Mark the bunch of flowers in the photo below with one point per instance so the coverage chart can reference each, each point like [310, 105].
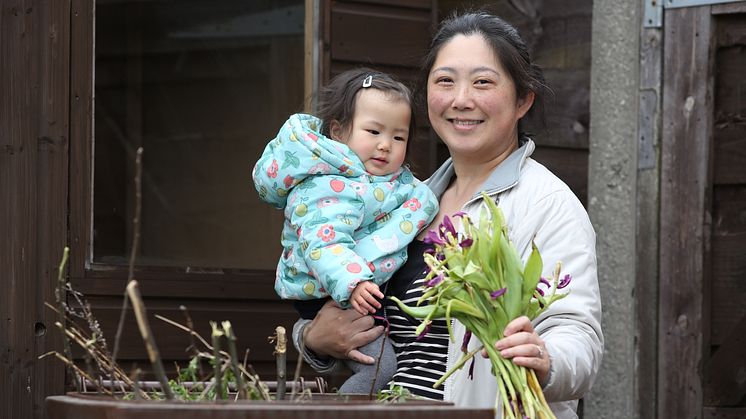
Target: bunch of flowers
[478, 278]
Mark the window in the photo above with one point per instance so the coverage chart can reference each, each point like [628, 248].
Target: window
[201, 85]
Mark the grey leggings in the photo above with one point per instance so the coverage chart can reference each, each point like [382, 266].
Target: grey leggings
[362, 377]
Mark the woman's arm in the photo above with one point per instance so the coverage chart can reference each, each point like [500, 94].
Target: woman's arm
[570, 329]
[335, 334]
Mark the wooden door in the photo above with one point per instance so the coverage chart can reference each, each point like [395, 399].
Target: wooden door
[391, 36]
[702, 318]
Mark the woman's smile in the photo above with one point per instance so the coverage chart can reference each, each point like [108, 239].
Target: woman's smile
[465, 124]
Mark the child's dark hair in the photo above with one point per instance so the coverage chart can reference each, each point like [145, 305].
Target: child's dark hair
[337, 99]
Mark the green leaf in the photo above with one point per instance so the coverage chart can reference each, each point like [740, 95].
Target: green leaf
[466, 308]
[531, 275]
[475, 276]
[421, 312]
[513, 279]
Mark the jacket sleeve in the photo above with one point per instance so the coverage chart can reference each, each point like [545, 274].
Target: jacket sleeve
[326, 234]
[321, 365]
[571, 327]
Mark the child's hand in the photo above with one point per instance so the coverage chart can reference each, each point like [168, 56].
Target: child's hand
[363, 297]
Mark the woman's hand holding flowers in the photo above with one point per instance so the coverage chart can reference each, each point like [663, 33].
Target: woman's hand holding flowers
[525, 347]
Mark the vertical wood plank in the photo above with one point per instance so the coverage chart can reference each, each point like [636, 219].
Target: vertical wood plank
[685, 147]
[34, 41]
[52, 174]
[19, 101]
[81, 132]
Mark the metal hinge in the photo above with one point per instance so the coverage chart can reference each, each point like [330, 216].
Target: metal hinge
[654, 9]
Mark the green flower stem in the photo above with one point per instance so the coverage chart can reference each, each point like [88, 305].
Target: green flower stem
[499, 362]
[457, 366]
[504, 395]
[533, 382]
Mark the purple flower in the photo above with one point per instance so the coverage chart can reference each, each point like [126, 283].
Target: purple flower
[540, 291]
[565, 281]
[544, 281]
[424, 332]
[495, 294]
[435, 281]
[459, 214]
[433, 238]
[471, 369]
[466, 243]
[465, 343]
[447, 226]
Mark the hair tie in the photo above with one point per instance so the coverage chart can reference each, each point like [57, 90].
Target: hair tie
[368, 81]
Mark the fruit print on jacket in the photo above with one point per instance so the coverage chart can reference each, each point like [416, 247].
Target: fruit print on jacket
[342, 224]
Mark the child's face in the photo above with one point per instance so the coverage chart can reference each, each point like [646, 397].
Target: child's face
[379, 131]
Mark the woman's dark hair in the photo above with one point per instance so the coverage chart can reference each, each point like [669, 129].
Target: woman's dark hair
[338, 98]
[507, 45]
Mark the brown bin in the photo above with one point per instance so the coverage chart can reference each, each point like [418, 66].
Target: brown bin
[322, 406]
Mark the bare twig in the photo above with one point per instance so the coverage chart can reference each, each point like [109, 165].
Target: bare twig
[186, 329]
[190, 325]
[118, 336]
[192, 343]
[136, 219]
[257, 384]
[147, 335]
[246, 357]
[78, 370]
[136, 384]
[61, 296]
[298, 365]
[234, 359]
[120, 327]
[378, 368]
[133, 250]
[280, 341]
[216, 334]
[93, 345]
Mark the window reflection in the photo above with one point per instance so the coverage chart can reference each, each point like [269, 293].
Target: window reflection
[201, 86]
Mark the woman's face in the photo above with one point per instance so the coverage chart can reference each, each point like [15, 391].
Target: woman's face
[471, 100]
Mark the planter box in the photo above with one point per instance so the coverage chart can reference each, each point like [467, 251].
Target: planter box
[331, 406]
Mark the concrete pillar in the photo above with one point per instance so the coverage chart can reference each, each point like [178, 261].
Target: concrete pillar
[612, 190]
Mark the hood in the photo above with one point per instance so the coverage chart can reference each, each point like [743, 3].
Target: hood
[300, 151]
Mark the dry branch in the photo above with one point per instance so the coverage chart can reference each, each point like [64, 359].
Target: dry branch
[280, 340]
[133, 291]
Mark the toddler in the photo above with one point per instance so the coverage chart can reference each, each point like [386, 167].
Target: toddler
[351, 205]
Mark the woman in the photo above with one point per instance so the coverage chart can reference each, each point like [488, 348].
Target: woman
[480, 82]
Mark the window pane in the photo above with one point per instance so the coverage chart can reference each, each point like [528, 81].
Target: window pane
[201, 86]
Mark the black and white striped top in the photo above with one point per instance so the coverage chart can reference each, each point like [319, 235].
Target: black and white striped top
[420, 363]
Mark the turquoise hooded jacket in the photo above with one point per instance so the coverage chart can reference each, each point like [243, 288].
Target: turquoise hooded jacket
[342, 224]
